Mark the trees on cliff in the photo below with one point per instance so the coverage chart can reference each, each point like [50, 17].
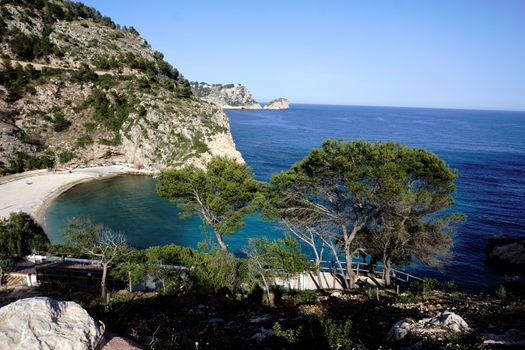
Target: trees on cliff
[381, 198]
[221, 194]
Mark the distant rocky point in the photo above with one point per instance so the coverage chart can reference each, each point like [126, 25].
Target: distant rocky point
[227, 96]
[278, 103]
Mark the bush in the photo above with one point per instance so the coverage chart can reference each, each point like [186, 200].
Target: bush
[450, 286]
[84, 141]
[501, 292]
[317, 333]
[429, 284]
[20, 236]
[60, 123]
[205, 273]
[408, 298]
[306, 296]
[66, 156]
[84, 74]
[24, 162]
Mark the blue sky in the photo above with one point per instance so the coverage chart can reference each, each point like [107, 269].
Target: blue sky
[450, 54]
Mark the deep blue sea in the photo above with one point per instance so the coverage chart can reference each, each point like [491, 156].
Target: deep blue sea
[486, 147]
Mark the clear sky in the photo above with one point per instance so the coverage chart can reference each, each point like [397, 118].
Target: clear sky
[432, 53]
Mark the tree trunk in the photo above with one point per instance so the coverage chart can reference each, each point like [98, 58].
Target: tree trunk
[129, 280]
[103, 287]
[220, 240]
[387, 269]
[1, 275]
[349, 272]
[348, 238]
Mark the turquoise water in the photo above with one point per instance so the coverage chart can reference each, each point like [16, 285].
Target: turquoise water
[129, 204]
[487, 148]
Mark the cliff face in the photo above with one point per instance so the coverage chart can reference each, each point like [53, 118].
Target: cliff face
[278, 103]
[75, 87]
[229, 96]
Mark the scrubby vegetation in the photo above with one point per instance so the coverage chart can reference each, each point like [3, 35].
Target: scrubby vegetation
[19, 236]
[25, 162]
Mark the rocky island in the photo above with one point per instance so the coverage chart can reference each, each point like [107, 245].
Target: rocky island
[278, 103]
[227, 96]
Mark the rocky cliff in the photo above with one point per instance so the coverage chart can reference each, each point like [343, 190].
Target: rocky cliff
[229, 96]
[76, 87]
[278, 103]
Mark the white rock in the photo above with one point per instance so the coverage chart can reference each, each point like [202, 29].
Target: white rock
[399, 330]
[278, 103]
[441, 324]
[47, 324]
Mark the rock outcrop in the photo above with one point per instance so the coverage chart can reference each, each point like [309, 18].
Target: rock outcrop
[443, 325]
[77, 88]
[278, 103]
[228, 96]
[47, 324]
[507, 250]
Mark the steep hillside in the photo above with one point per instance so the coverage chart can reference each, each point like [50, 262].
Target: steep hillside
[228, 96]
[76, 87]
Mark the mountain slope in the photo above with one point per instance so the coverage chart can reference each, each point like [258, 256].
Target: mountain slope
[76, 87]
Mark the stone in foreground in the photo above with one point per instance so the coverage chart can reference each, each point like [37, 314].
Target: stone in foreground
[443, 325]
[45, 324]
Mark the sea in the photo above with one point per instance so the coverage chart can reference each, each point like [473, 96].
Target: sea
[486, 147]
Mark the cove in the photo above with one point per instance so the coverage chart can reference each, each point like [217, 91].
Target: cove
[131, 205]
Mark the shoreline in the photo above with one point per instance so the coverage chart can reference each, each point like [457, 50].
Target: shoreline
[39, 214]
[46, 186]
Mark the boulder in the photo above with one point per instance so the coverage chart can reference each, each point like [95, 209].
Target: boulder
[44, 324]
[442, 325]
[507, 250]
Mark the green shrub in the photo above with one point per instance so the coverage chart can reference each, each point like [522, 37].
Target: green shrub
[84, 74]
[501, 292]
[66, 156]
[429, 284]
[24, 162]
[371, 294]
[408, 298]
[450, 286]
[317, 333]
[84, 141]
[60, 123]
[290, 335]
[306, 296]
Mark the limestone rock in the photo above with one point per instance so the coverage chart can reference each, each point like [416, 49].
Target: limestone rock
[278, 103]
[442, 325]
[227, 96]
[399, 330]
[43, 323]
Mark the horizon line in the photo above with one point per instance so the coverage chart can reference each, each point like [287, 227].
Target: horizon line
[398, 106]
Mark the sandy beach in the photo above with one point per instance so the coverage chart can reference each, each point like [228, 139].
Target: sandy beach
[32, 192]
